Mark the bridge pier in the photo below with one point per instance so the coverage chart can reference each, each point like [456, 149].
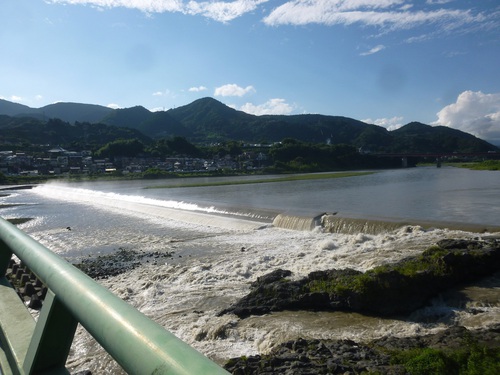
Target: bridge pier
[404, 162]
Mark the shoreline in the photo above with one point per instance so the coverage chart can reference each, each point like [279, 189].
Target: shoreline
[473, 351]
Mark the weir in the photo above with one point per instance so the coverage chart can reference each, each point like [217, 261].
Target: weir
[334, 224]
[330, 222]
[305, 223]
[138, 344]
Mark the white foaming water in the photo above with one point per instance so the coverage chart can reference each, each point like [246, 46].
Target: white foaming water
[185, 297]
[216, 258]
[140, 204]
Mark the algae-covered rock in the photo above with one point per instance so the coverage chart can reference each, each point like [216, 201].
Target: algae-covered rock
[387, 290]
[444, 352]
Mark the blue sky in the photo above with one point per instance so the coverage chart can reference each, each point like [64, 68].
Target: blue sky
[386, 62]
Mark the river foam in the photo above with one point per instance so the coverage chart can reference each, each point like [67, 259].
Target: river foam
[185, 297]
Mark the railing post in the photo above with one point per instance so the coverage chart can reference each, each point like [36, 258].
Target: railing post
[51, 341]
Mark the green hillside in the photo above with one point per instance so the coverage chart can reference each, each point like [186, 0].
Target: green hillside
[415, 137]
[208, 121]
[29, 131]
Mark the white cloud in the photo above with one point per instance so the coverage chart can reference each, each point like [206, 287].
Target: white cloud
[392, 14]
[474, 112]
[388, 14]
[157, 109]
[233, 90]
[197, 89]
[392, 123]
[438, 2]
[158, 93]
[375, 49]
[222, 11]
[147, 6]
[406, 6]
[113, 106]
[15, 98]
[271, 107]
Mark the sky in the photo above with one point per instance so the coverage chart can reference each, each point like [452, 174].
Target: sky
[385, 62]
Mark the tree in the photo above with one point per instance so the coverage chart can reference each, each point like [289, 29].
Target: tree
[180, 146]
[122, 147]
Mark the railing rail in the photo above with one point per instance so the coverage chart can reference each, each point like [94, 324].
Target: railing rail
[138, 344]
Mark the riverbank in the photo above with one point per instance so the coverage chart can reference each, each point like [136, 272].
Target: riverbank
[391, 290]
[455, 350]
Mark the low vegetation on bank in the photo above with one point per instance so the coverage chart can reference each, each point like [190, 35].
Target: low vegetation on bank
[473, 358]
[487, 165]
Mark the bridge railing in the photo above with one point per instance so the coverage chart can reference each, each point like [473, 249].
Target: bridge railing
[138, 344]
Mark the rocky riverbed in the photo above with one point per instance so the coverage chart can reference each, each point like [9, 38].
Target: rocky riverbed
[390, 290]
[448, 352]
[32, 291]
[387, 290]
[118, 262]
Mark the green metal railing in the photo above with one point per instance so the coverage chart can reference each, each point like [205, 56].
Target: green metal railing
[139, 345]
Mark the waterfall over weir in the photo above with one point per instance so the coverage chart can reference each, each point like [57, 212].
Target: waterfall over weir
[294, 222]
[334, 224]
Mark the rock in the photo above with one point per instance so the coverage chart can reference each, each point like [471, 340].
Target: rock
[272, 277]
[116, 263]
[388, 290]
[304, 357]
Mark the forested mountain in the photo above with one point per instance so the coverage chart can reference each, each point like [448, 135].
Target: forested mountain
[12, 109]
[415, 136]
[208, 120]
[155, 124]
[27, 131]
[130, 117]
[69, 112]
[72, 112]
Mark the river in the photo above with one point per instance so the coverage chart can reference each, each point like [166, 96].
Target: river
[223, 238]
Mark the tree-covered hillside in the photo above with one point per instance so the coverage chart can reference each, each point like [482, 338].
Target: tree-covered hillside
[208, 121]
[31, 132]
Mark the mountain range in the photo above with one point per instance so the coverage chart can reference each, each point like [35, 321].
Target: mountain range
[207, 120]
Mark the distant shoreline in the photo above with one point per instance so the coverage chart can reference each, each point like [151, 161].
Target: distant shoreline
[286, 178]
